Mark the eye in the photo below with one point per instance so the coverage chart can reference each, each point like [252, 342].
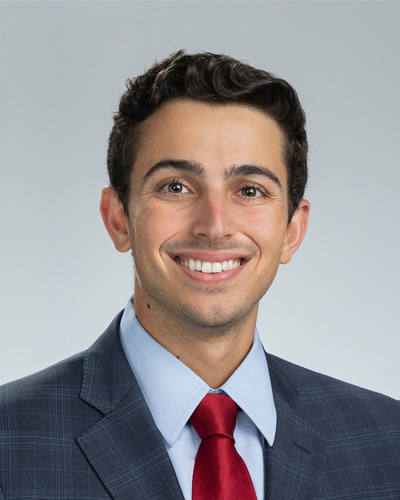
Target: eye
[252, 191]
[174, 187]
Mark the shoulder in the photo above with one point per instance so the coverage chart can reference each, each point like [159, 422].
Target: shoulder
[330, 403]
[40, 418]
[42, 395]
[66, 371]
[63, 381]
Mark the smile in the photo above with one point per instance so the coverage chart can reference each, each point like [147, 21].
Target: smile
[209, 267]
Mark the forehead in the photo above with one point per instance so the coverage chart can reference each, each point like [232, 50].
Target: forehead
[217, 136]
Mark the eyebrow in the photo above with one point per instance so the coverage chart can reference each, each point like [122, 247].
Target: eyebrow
[198, 170]
[191, 167]
[239, 170]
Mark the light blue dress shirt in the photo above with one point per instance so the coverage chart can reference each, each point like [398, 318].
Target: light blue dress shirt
[172, 392]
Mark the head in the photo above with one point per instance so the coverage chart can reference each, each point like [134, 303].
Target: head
[212, 79]
[207, 163]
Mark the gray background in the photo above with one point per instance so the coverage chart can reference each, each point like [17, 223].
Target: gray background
[335, 307]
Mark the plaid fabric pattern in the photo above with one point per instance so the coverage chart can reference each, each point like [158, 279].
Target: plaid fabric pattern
[334, 441]
[81, 430]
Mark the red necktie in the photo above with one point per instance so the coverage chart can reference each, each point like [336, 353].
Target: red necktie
[219, 471]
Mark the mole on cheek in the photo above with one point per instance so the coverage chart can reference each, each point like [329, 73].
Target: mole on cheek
[148, 306]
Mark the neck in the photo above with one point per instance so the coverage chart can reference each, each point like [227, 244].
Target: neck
[213, 353]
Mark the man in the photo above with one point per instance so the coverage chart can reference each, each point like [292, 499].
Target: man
[208, 165]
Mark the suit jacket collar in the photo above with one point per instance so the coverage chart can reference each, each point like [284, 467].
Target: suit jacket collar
[125, 447]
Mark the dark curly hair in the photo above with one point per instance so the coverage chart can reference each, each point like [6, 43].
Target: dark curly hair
[213, 79]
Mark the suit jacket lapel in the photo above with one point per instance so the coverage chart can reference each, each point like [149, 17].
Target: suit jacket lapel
[294, 465]
[125, 447]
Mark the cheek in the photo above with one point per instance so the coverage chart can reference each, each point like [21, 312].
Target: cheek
[264, 225]
[153, 226]
[268, 233]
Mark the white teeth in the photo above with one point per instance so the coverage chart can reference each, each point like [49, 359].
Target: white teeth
[210, 267]
[206, 267]
[216, 267]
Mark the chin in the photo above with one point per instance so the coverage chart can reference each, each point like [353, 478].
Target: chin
[217, 320]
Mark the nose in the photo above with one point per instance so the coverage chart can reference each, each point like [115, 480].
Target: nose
[213, 218]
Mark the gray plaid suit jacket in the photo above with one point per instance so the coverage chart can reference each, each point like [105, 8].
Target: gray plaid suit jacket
[81, 430]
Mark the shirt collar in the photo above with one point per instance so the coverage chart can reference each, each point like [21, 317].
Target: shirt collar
[172, 391]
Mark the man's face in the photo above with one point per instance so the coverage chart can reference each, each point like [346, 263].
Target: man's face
[208, 213]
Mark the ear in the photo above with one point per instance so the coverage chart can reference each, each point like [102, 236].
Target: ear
[114, 219]
[295, 231]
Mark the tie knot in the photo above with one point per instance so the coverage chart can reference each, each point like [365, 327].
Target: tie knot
[215, 416]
